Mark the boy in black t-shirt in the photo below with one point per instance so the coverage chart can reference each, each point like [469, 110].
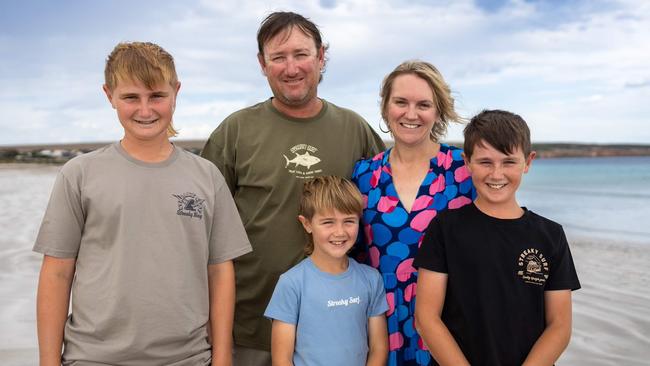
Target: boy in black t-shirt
[495, 279]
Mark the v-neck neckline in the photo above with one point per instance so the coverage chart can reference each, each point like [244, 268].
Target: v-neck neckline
[387, 164]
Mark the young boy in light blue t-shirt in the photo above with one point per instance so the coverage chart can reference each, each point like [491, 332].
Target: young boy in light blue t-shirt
[329, 309]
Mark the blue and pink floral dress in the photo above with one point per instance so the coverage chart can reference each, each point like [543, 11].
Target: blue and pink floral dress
[393, 236]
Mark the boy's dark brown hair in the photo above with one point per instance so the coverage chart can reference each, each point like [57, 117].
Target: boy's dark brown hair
[503, 130]
[327, 193]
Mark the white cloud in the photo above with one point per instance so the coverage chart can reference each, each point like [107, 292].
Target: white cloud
[575, 70]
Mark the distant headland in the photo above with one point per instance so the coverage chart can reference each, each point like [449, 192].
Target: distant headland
[60, 153]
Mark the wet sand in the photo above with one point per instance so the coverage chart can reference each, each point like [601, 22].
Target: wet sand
[611, 313]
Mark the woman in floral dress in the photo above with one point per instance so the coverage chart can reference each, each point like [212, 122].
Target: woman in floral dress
[405, 187]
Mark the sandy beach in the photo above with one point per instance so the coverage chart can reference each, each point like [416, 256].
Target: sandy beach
[611, 311]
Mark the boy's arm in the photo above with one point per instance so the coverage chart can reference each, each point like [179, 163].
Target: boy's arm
[555, 338]
[283, 340]
[52, 302]
[221, 282]
[432, 287]
[377, 341]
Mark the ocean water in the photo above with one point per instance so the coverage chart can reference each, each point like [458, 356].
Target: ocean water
[601, 198]
[24, 192]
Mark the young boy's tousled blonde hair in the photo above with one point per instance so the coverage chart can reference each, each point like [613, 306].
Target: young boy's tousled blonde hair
[141, 61]
[327, 193]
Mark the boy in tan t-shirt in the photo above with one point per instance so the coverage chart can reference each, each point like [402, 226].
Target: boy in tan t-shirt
[140, 235]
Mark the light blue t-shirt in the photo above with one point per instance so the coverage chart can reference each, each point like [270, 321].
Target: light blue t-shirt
[330, 312]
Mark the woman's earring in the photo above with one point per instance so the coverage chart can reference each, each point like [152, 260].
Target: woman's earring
[381, 127]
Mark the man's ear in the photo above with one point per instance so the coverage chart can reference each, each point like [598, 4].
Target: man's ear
[109, 94]
[305, 223]
[260, 59]
[321, 57]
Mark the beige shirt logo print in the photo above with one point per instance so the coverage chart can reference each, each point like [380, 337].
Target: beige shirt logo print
[533, 267]
[302, 161]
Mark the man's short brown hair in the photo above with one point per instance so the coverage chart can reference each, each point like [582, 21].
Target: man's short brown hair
[281, 21]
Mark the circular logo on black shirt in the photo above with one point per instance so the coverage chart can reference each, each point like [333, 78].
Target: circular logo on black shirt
[532, 267]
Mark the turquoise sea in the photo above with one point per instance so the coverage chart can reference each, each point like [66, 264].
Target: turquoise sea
[606, 198]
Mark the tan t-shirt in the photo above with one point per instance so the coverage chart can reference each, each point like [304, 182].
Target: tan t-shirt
[143, 235]
[265, 157]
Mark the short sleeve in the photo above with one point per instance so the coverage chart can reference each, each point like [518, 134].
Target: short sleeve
[285, 302]
[378, 304]
[432, 252]
[375, 143]
[562, 274]
[63, 223]
[220, 150]
[228, 237]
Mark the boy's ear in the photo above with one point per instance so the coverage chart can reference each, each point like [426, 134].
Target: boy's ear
[529, 160]
[305, 223]
[466, 160]
[176, 89]
[109, 94]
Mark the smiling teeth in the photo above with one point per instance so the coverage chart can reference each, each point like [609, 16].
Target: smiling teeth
[496, 186]
[408, 125]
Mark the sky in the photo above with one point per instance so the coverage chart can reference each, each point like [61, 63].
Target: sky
[575, 70]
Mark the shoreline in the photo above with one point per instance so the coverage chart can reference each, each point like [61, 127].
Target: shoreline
[60, 153]
[611, 316]
[611, 312]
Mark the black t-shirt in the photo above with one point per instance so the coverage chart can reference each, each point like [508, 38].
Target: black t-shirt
[497, 271]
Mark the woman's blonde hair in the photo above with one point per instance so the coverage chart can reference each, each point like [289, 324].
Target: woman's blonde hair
[441, 93]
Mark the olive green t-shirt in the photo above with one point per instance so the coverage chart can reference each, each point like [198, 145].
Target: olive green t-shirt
[265, 157]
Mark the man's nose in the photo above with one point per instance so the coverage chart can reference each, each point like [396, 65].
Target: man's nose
[292, 66]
